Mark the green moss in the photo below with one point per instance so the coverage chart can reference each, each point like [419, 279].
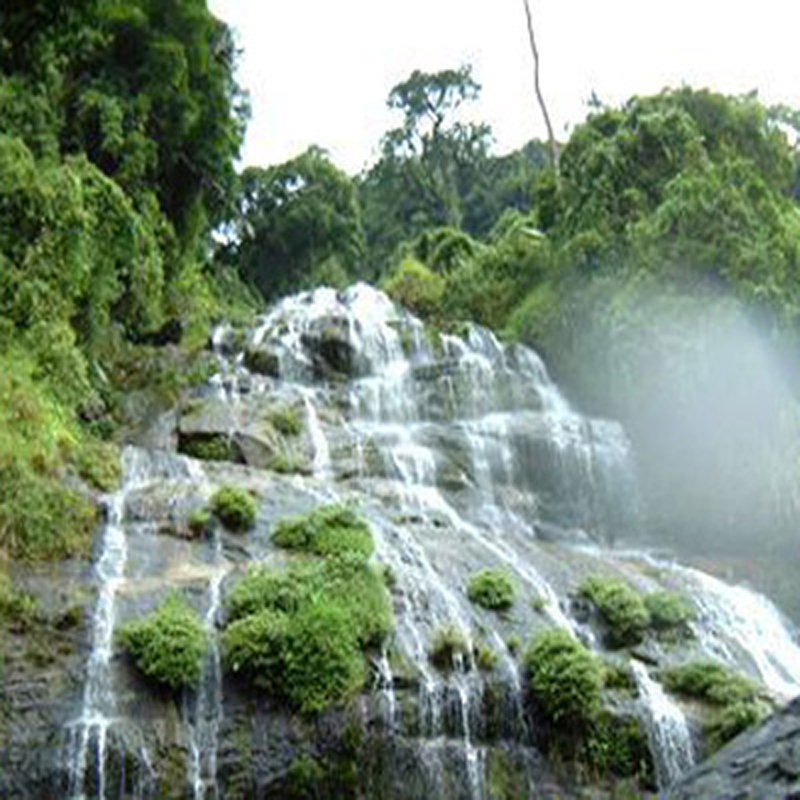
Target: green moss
[670, 614]
[735, 701]
[287, 420]
[618, 676]
[538, 602]
[18, 608]
[288, 462]
[168, 645]
[485, 657]
[618, 746]
[199, 522]
[620, 607]
[209, 447]
[326, 531]
[304, 778]
[236, 508]
[300, 632]
[492, 589]
[449, 643]
[564, 677]
[514, 643]
[98, 463]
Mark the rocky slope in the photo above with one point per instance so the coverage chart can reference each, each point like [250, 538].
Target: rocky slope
[461, 454]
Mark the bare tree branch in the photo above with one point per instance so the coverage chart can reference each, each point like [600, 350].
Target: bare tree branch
[542, 105]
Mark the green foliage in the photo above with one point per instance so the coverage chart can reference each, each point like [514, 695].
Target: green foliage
[98, 463]
[492, 589]
[710, 681]
[485, 657]
[326, 531]
[199, 522]
[168, 645]
[618, 675]
[18, 608]
[449, 644]
[565, 678]
[514, 643]
[287, 420]
[620, 607]
[209, 447]
[236, 508]
[417, 288]
[296, 218]
[300, 632]
[737, 702]
[670, 613]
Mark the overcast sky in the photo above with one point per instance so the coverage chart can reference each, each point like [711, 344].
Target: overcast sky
[319, 71]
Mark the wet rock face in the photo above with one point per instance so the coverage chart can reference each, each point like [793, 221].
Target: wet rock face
[758, 764]
[461, 455]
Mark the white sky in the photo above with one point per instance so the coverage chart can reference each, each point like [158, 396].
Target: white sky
[319, 71]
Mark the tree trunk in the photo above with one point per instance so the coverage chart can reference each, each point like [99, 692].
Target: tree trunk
[539, 96]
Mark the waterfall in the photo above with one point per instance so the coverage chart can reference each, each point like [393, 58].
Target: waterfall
[87, 736]
[670, 741]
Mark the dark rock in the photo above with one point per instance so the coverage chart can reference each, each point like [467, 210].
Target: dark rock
[764, 762]
[262, 360]
[331, 348]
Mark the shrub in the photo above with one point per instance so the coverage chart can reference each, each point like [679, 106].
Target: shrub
[564, 677]
[169, 644]
[417, 288]
[485, 657]
[286, 420]
[619, 676]
[449, 643]
[670, 613]
[735, 698]
[620, 607]
[326, 531]
[98, 463]
[492, 589]
[299, 633]
[709, 681]
[199, 522]
[209, 447]
[236, 508]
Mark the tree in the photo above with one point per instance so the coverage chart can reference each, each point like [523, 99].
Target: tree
[296, 219]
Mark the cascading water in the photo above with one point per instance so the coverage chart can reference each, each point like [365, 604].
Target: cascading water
[463, 454]
[670, 740]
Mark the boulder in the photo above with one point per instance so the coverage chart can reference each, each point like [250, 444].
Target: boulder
[764, 762]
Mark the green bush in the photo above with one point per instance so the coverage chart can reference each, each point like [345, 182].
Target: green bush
[620, 607]
[564, 677]
[736, 701]
[710, 681]
[326, 531]
[286, 420]
[417, 288]
[300, 632]
[670, 613]
[168, 645]
[485, 657]
[236, 508]
[199, 522]
[492, 589]
[449, 643]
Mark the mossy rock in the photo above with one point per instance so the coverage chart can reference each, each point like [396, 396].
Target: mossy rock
[326, 531]
[449, 644]
[492, 589]
[235, 508]
[621, 608]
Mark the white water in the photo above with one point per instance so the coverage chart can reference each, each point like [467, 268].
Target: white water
[97, 717]
[668, 732]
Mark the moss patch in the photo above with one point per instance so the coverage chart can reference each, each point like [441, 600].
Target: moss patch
[621, 609]
[168, 645]
[235, 508]
[492, 589]
[327, 531]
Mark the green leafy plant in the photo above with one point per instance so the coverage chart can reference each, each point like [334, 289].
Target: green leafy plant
[286, 420]
[449, 643]
[168, 645]
[670, 613]
[492, 589]
[564, 677]
[621, 609]
[236, 508]
[326, 531]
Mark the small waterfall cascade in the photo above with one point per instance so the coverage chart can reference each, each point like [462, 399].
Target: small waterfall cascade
[88, 734]
[670, 740]
[739, 625]
[208, 711]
